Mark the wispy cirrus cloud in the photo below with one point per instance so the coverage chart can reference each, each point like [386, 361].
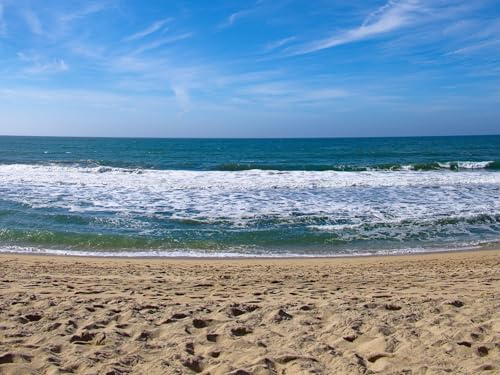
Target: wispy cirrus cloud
[86, 50]
[475, 47]
[279, 43]
[233, 17]
[87, 98]
[182, 97]
[477, 37]
[291, 92]
[38, 65]
[33, 22]
[163, 41]
[154, 27]
[3, 25]
[391, 16]
[146, 74]
[89, 9]
[56, 24]
[55, 66]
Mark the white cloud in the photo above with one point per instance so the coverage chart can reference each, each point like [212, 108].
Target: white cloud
[279, 43]
[56, 66]
[57, 24]
[83, 49]
[3, 26]
[154, 27]
[91, 8]
[149, 74]
[474, 47]
[161, 42]
[27, 57]
[288, 92]
[480, 37]
[33, 22]
[392, 16]
[234, 17]
[85, 98]
[182, 97]
[39, 65]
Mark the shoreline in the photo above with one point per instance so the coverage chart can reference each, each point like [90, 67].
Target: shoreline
[454, 255]
[89, 255]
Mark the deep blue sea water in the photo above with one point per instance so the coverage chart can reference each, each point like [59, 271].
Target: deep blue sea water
[232, 197]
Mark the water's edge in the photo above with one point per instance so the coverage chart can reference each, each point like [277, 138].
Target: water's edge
[186, 255]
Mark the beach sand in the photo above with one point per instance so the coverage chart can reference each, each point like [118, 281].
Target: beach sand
[419, 314]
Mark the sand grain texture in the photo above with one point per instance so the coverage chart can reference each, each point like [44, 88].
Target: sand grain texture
[426, 314]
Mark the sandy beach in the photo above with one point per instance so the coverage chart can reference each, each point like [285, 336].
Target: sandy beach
[419, 314]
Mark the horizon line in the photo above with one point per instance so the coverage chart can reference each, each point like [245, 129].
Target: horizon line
[248, 138]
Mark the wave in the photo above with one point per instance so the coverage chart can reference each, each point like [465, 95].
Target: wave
[421, 230]
[98, 241]
[70, 182]
[103, 166]
[281, 235]
[106, 208]
[424, 166]
[466, 219]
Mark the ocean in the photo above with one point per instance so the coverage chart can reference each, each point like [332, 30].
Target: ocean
[248, 197]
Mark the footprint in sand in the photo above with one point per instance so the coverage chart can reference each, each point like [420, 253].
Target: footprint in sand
[240, 309]
[212, 337]
[30, 318]
[240, 331]
[14, 358]
[194, 364]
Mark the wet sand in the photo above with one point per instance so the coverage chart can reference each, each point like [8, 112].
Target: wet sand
[420, 314]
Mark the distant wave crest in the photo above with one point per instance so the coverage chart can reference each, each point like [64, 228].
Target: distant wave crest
[430, 166]
[104, 166]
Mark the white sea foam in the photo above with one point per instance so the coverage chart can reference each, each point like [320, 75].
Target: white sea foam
[269, 253]
[238, 198]
[466, 164]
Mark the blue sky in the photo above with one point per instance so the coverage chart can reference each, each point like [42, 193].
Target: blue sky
[264, 68]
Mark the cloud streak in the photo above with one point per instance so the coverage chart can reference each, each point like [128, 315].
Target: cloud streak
[3, 25]
[91, 8]
[163, 41]
[56, 66]
[474, 47]
[233, 17]
[154, 27]
[289, 93]
[391, 16]
[37, 65]
[279, 43]
[182, 97]
[33, 22]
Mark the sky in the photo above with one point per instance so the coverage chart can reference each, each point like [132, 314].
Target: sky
[261, 68]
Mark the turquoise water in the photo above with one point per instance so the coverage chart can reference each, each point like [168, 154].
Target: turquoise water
[272, 197]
